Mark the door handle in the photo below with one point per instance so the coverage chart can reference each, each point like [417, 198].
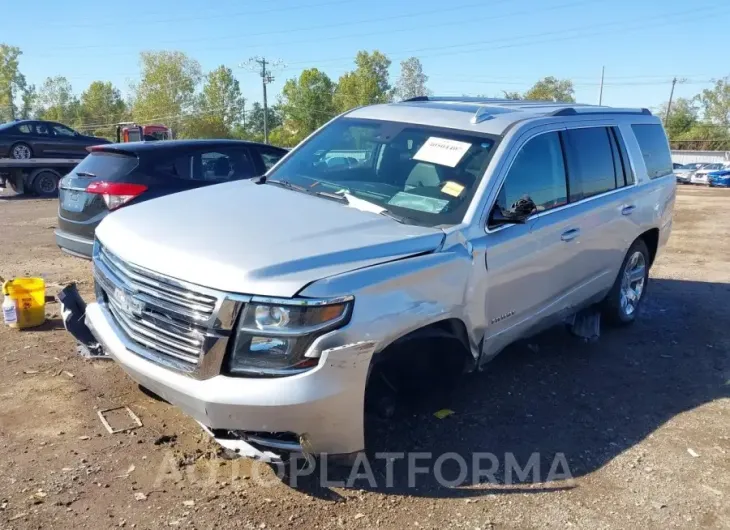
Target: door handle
[626, 210]
[569, 235]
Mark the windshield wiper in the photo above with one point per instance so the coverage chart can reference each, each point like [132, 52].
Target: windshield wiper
[85, 174]
[332, 196]
[285, 184]
[399, 218]
[346, 194]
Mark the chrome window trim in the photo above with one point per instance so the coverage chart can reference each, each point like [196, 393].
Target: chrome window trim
[560, 128]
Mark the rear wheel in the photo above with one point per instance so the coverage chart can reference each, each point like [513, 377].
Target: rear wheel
[21, 151]
[45, 183]
[623, 302]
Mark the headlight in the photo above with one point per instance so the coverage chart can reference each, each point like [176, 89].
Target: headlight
[274, 334]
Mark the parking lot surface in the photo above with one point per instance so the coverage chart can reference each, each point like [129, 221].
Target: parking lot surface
[639, 419]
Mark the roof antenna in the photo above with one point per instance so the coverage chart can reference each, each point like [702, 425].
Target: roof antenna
[482, 114]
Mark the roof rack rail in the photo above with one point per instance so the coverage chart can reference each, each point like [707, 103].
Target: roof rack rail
[572, 111]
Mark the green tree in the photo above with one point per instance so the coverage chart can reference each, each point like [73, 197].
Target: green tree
[412, 80]
[219, 107]
[12, 82]
[57, 102]
[682, 117]
[254, 122]
[368, 84]
[101, 104]
[703, 136]
[715, 102]
[547, 89]
[552, 89]
[167, 89]
[28, 99]
[306, 104]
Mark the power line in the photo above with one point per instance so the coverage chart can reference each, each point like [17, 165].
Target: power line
[238, 36]
[583, 28]
[409, 15]
[502, 45]
[197, 17]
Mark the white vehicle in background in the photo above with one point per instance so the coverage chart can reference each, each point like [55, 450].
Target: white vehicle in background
[684, 173]
[700, 176]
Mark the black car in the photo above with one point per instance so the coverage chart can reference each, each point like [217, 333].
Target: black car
[117, 175]
[43, 139]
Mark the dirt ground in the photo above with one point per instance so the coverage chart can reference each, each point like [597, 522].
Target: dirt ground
[642, 418]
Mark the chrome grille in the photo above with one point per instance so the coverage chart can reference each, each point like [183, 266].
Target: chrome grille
[166, 321]
[159, 291]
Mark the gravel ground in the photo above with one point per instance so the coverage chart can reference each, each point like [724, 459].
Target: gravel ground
[640, 420]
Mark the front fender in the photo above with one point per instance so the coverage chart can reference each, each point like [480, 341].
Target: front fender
[395, 298]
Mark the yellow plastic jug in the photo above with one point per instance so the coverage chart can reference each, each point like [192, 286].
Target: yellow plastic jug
[29, 295]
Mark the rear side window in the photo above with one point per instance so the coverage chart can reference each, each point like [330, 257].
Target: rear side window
[591, 164]
[628, 172]
[109, 166]
[224, 164]
[537, 172]
[654, 148]
[270, 156]
[212, 166]
[24, 128]
[179, 167]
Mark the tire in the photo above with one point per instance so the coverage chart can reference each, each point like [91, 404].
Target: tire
[21, 151]
[45, 184]
[623, 302]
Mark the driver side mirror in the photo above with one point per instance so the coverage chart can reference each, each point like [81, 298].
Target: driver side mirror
[519, 213]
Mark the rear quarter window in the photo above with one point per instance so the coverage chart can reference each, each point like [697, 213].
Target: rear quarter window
[654, 148]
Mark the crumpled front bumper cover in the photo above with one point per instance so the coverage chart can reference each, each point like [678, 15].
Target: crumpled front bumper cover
[326, 403]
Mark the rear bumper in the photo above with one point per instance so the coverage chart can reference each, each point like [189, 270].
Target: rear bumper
[73, 244]
[326, 403]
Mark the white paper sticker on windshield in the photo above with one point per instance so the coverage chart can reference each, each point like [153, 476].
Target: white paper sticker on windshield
[442, 151]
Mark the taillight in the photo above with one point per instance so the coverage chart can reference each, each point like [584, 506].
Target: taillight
[116, 194]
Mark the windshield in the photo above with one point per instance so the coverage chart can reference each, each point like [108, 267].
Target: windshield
[425, 175]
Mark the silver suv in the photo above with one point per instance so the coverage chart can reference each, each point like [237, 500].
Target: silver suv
[429, 233]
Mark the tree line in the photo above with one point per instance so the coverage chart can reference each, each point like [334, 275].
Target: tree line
[173, 90]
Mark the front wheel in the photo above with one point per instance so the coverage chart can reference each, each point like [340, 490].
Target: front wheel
[21, 151]
[623, 301]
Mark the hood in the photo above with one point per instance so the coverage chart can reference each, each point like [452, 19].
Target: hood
[258, 239]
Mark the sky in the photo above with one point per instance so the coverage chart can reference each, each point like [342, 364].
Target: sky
[466, 46]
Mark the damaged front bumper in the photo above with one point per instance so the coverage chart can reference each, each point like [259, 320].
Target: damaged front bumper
[324, 406]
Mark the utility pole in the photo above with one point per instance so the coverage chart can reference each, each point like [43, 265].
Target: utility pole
[259, 64]
[669, 105]
[600, 93]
